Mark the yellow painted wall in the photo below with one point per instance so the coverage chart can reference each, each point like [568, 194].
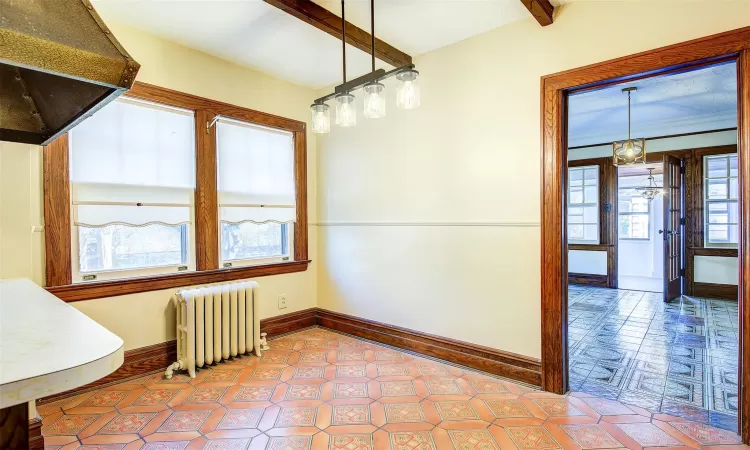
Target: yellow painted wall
[146, 319]
[430, 218]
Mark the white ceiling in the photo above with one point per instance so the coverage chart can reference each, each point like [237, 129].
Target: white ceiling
[699, 100]
[254, 34]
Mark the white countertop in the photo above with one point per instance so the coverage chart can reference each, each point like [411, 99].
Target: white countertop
[47, 346]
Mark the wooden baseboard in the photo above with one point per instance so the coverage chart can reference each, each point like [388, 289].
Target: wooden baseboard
[506, 364]
[138, 362]
[288, 323]
[588, 279]
[36, 440]
[155, 358]
[712, 290]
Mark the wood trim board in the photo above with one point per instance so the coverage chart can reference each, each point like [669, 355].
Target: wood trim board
[588, 279]
[36, 440]
[713, 290]
[506, 364]
[554, 90]
[155, 358]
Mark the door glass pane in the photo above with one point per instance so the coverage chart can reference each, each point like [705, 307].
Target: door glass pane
[733, 166]
[717, 167]
[590, 232]
[576, 177]
[733, 188]
[590, 214]
[591, 194]
[576, 195]
[716, 189]
[575, 232]
[590, 176]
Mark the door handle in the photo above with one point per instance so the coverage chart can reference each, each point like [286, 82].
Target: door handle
[669, 233]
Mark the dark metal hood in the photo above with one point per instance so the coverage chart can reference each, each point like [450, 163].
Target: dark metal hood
[59, 63]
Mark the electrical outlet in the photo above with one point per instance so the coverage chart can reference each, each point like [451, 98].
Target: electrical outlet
[282, 301]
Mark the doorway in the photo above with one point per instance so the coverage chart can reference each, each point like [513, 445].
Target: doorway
[734, 45]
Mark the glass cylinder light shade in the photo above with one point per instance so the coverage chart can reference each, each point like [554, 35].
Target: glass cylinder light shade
[631, 151]
[321, 118]
[407, 95]
[374, 101]
[346, 112]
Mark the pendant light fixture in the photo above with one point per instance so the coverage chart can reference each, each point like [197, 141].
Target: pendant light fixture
[629, 151]
[407, 94]
[652, 190]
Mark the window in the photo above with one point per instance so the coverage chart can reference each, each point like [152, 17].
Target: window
[720, 208]
[633, 210]
[256, 193]
[132, 172]
[161, 189]
[583, 205]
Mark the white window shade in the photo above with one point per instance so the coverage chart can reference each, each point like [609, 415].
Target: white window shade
[133, 163]
[255, 173]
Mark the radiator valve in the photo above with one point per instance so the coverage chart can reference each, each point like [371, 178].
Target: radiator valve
[263, 342]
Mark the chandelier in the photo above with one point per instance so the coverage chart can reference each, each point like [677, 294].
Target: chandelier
[629, 151]
[652, 190]
[407, 93]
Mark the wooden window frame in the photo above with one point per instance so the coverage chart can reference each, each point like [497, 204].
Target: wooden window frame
[607, 219]
[58, 243]
[733, 44]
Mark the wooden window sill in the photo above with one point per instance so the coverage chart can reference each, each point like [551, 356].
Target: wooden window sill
[589, 247]
[111, 288]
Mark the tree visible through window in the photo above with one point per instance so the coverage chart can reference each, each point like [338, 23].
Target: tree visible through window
[583, 205]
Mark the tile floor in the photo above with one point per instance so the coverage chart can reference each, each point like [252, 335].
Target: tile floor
[317, 389]
[678, 358]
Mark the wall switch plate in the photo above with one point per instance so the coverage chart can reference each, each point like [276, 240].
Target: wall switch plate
[282, 301]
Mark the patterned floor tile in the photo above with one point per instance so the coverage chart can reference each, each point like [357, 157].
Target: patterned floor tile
[472, 440]
[206, 395]
[350, 390]
[412, 440]
[303, 392]
[106, 398]
[69, 424]
[705, 434]
[184, 421]
[360, 395]
[156, 397]
[648, 434]
[351, 442]
[241, 418]
[308, 372]
[396, 388]
[350, 414]
[253, 394]
[504, 409]
[290, 443]
[443, 386]
[456, 410]
[297, 417]
[403, 412]
[591, 436]
[558, 407]
[535, 437]
[127, 423]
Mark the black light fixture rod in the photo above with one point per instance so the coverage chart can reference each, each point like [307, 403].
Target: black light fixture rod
[356, 83]
[343, 38]
[372, 30]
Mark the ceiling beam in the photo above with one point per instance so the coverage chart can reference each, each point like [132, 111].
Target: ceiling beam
[542, 10]
[329, 22]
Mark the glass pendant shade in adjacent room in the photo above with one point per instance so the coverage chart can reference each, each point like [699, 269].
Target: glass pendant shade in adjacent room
[650, 191]
[630, 151]
[321, 118]
[374, 100]
[346, 111]
[407, 94]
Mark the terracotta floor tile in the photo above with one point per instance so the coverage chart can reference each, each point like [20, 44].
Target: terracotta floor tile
[318, 390]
